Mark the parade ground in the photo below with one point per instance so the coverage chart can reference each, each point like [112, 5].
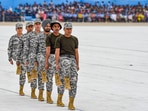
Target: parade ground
[113, 73]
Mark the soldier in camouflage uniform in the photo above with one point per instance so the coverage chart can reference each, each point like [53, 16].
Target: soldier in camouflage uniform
[29, 29]
[23, 52]
[12, 55]
[22, 45]
[40, 59]
[50, 63]
[41, 50]
[46, 27]
[67, 61]
[37, 57]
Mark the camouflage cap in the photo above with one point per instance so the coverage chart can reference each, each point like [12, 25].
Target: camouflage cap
[37, 21]
[68, 25]
[29, 23]
[19, 25]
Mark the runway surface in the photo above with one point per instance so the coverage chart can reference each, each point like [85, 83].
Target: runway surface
[113, 72]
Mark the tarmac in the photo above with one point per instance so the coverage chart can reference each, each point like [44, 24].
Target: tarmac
[113, 72]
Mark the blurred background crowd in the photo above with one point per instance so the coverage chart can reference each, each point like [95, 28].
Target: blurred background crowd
[76, 11]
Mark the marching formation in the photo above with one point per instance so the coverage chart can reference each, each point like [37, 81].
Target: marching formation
[43, 55]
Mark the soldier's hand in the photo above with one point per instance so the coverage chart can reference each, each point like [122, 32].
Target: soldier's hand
[17, 63]
[26, 63]
[46, 66]
[57, 67]
[11, 62]
[77, 68]
[35, 64]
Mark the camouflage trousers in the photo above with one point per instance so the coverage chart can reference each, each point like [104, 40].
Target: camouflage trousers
[22, 76]
[50, 73]
[68, 68]
[40, 68]
[29, 68]
[36, 82]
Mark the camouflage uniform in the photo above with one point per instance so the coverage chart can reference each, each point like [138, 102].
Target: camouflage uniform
[52, 66]
[40, 58]
[13, 50]
[24, 48]
[23, 52]
[36, 43]
[50, 42]
[68, 68]
[30, 53]
[50, 72]
[67, 62]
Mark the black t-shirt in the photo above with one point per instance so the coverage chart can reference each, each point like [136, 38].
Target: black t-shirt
[50, 42]
[67, 45]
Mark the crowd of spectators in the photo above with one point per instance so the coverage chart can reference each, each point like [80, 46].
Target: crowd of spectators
[77, 12]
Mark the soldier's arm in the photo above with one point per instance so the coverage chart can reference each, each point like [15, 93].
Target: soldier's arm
[10, 48]
[57, 56]
[77, 53]
[19, 51]
[26, 48]
[57, 52]
[77, 58]
[47, 57]
[35, 50]
[48, 48]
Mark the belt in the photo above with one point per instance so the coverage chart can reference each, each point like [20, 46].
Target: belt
[67, 55]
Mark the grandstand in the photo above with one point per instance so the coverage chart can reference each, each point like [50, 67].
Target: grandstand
[14, 3]
[75, 10]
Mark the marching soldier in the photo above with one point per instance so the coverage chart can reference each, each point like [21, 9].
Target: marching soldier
[12, 56]
[67, 62]
[23, 52]
[50, 64]
[32, 47]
